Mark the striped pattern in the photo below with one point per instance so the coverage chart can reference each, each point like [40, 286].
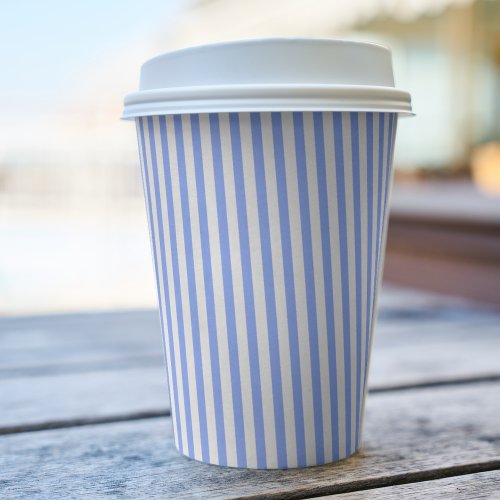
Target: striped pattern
[267, 232]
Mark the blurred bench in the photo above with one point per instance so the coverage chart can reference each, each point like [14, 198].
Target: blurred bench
[445, 238]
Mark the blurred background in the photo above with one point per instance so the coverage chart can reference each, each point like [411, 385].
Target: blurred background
[73, 229]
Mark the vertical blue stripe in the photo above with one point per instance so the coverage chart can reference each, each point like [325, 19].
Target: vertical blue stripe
[381, 125]
[177, 286]
[369, 196]
[209, 290]
[174, 398]
[267, 264]
[246, 264]
[193, 299]
[381, 132]
[232, 337]
[312, 320]
[382, 192]
[344, 269]
[357, 257]
[328, 278]
[286, 249]
[387, 171]
[384, 213]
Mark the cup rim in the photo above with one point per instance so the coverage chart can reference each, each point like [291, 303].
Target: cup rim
[266, 98]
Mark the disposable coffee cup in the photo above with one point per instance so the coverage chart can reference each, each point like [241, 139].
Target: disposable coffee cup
[267, 173]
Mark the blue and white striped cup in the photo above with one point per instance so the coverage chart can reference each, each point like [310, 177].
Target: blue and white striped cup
[267, 232]
[267, 171]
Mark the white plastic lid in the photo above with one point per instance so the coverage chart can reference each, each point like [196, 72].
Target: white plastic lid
[276, 74]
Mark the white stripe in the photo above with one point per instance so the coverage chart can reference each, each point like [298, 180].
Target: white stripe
[171, 298]
[390, 152]
[218, 284]
[392, 168]
[300, 284]
[280, 289]
[364, 254]
[384, 183]
[316, 236]
[161, 290]
[337, 283]
[389, 179]
[200, 290]
[163, 305]
[184, 285]
[376, 134]
[258, 289]
[141, 158]
[239, 297]
[389, 191]
[150, 188]
[384, 216]
[174, 348]
[348, 182]
[378, 276]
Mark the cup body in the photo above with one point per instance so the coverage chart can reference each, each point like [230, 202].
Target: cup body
[268, 234]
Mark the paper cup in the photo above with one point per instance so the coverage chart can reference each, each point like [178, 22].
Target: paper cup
[268, 233]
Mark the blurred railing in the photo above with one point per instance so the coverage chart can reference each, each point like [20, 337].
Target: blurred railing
[447, 251]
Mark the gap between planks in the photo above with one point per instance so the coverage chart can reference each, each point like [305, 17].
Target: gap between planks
[80, 422]
[384, 481]
[479, 485]
[146, 414]
[124, 363]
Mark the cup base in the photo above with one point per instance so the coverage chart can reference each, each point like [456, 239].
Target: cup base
[228, 466]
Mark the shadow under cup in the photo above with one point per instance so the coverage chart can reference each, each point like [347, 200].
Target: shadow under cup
[268, 234]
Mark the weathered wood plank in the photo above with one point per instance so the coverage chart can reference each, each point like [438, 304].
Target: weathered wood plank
[79, 342]
[94, 395]
[436, 348]
[483, 485]
[406, 352]
[410, 435]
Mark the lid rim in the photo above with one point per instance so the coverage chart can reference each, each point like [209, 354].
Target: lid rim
[272, 97]
[133, 114]
[259, 88]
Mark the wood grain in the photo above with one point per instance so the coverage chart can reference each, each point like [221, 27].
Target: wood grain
[76, 343]
[413, 435]
[483, 485]
[48, 400]
[419, 351]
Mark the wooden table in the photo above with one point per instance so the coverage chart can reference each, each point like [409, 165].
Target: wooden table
[84, 412]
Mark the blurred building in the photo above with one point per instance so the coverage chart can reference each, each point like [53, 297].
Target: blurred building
[450, 61]
[446, 52]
